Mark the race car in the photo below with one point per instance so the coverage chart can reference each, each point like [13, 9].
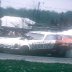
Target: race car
[35, 42]
[38, 43]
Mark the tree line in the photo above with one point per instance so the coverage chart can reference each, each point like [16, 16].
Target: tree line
[41, 17]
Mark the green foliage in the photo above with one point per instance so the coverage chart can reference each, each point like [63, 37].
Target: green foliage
[42, 18]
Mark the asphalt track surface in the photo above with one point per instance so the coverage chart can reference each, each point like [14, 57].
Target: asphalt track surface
[5, 56]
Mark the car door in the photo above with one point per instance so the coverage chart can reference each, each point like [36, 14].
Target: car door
[36, 41]
[49, 41]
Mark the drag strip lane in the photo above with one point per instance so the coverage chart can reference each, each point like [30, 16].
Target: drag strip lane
[4, 56]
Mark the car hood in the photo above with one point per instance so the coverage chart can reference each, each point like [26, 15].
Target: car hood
[12, 41]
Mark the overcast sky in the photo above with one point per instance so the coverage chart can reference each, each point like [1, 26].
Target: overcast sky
[56, 5]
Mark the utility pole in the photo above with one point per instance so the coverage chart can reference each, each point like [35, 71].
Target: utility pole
[0, 3]
[38, 5]
[0, 13]
[38, 12]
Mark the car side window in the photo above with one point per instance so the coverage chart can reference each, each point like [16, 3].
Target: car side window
[59, 37]
[50, 37]
[35, 36]
[53, 37]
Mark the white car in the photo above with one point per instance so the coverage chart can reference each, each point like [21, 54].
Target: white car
[36, 42]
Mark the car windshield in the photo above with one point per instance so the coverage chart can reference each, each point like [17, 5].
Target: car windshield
[34, 36]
